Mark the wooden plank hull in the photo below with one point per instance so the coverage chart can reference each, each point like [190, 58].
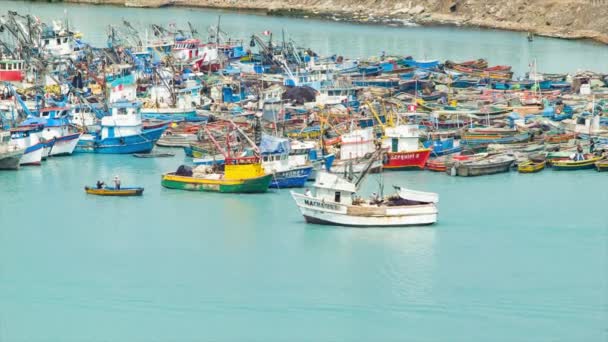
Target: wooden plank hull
[570, 165]
[114, 192]
[531, 167]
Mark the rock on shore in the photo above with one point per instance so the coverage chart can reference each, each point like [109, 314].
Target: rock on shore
[571, 19]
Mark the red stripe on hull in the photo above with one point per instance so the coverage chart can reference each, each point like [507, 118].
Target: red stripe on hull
[406, 160]
[13, 75]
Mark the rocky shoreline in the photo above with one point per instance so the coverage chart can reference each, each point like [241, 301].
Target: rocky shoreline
[568, 19]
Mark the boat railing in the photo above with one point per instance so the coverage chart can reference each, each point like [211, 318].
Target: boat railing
[242, 160]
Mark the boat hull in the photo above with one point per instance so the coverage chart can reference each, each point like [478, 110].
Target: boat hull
[472, 170]
[331, 213]
[114, 192]
[569, 165]
[294, 178]
[601, 165]
[141, 143]
[33, 155]
[64, 145]
[10, 160]
[251, 185]
[406, 160]
[531, 167]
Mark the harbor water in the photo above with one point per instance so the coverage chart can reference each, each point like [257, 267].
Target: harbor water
[513, 257]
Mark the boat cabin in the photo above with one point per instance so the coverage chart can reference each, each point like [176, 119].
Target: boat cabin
[186, 50]
[243, 168]
[57, 41]
[329, 187]
[401, 138]
[125, 120]
[11, 70]
[357, 144]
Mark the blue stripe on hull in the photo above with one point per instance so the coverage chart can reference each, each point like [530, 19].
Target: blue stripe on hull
[295, 178]
[141, 143]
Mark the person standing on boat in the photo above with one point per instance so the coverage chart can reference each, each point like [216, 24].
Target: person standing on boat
[579, 153]
[117, 182]
[592, 146]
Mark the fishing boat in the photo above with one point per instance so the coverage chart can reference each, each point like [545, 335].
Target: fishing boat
[10, 154]
[110, 191]
[275, 160]
[121, 133]
[568, 165]
[242, 174]
[531, 166]
[403, 148]
[479, 167]
[333, 201]
[11, 70]
[601, 165]
[442, 147]
[27, 137]
[356, 148]
[153, 155]
[58, 135]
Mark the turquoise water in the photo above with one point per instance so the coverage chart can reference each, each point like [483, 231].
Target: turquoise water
[512, 48]
[513, 258]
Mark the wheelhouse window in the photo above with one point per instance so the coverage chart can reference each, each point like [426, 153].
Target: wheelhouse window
[122, 111]
[337, 197]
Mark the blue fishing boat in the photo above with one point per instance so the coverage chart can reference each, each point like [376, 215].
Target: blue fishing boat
[275, 160]
[121, 132]
[443, 147]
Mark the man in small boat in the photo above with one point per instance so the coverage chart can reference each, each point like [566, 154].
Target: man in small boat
[592, 146]
[117, 182]
[100, 184]
[579, 156]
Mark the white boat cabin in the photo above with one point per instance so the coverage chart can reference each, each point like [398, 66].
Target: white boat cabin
[357, 144]
[333, 188]
[124, 121]
[401, 138]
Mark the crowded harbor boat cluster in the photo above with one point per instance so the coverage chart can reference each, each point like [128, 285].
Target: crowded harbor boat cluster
[260, 112]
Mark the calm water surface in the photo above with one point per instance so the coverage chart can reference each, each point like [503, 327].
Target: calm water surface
[513, 258]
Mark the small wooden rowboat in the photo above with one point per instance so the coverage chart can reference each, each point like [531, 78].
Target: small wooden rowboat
[108, 191]
[575, 165]
[601, 165]
[531, 166]
[153, 155]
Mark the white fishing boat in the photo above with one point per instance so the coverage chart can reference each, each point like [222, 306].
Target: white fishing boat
[356, 149]
[334, 201]
[27, 137]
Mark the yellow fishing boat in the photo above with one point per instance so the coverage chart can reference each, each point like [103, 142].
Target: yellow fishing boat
[240, 175]
[563, 165]
[531, 166]
[108, 191]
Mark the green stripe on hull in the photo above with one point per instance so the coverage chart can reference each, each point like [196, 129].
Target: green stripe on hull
[254, 185]
[572, 168]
